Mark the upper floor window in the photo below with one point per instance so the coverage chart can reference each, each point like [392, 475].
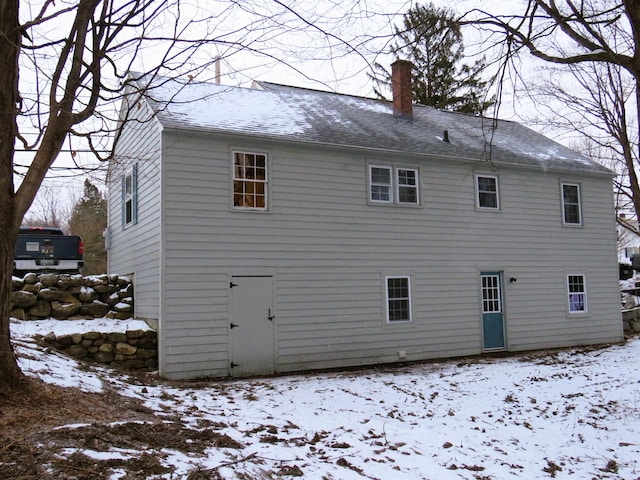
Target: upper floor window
[571, 210]
[398, 299]
[380, 184]
[250, 180]
[487, 192]
[407, 179]
[130, 196]
[577, 292]
[393, 185]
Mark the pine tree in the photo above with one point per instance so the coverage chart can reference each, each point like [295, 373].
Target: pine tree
[431, 39]
[88, 221]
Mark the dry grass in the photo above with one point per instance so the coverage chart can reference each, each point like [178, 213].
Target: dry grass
[29, 418]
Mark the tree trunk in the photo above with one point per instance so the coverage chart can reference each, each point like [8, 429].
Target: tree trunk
[631, 164]
[10, 374]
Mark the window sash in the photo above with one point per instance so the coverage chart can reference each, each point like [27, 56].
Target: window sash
[398, 299]
[250, 180]
[571, 204]
[130, 197]
[380, 184]
[407, 181]
[487, 188]
[577, 293]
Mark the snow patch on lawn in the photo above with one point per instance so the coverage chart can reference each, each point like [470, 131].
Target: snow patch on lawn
[560, 414]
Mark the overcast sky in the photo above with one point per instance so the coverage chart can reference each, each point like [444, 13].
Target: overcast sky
[306, 59]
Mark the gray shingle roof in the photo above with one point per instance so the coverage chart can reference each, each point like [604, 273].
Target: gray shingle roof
[311, 116]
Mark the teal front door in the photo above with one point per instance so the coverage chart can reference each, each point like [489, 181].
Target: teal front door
[492, 311]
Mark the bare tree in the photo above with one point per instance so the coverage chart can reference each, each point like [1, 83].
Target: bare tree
[64, 70]
[47, 210]
[596, 42]
[88, 220]
[598, 104]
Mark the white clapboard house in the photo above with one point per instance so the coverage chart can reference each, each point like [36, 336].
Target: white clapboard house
[277, 229]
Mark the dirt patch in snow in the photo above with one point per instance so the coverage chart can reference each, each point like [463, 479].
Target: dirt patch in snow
[45, 430]
[33, 446]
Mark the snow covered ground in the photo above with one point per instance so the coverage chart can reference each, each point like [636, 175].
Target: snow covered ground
[563, 414]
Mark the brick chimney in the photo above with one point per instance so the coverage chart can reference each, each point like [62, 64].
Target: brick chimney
[401, 89]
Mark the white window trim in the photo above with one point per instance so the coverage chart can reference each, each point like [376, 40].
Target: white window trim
[417, 185]
[584, 293]
[564, 219]
[266, 182]
[477, 187]
[390, 184]
[386, 298]
[393, 186]
[130, 198]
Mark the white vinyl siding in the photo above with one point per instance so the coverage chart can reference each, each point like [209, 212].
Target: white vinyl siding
[329, 252]
[134, 249]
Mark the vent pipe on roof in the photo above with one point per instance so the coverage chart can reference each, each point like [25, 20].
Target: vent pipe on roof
[217, 65]
[445, 136]
[401, 89]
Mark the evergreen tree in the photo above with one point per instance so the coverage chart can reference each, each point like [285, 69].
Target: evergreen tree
[88, 221]
[431, 39]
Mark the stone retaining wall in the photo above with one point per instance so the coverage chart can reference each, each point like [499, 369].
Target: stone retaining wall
[134, 349]
[71, 297]
[75, 297]
[631, 320]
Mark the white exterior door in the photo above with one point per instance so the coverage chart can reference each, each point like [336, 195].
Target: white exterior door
[251, 327]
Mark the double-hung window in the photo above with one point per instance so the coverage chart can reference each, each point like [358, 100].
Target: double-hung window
[487, 192]
[407, 181]
[571, 211]
[577, 293]
[393, 185]
[250, 180]
[398, 299]
[130, 196]
[380, 190]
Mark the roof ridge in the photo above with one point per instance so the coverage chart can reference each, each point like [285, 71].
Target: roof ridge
[315, 90]
[381, 100]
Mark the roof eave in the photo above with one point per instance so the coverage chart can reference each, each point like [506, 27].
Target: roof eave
[461, 159]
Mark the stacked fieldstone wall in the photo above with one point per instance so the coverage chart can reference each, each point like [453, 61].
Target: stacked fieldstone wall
[75, 297]
[71, 297]
[631, 320]
[133, 349]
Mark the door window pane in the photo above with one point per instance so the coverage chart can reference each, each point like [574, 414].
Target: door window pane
[491, 298]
